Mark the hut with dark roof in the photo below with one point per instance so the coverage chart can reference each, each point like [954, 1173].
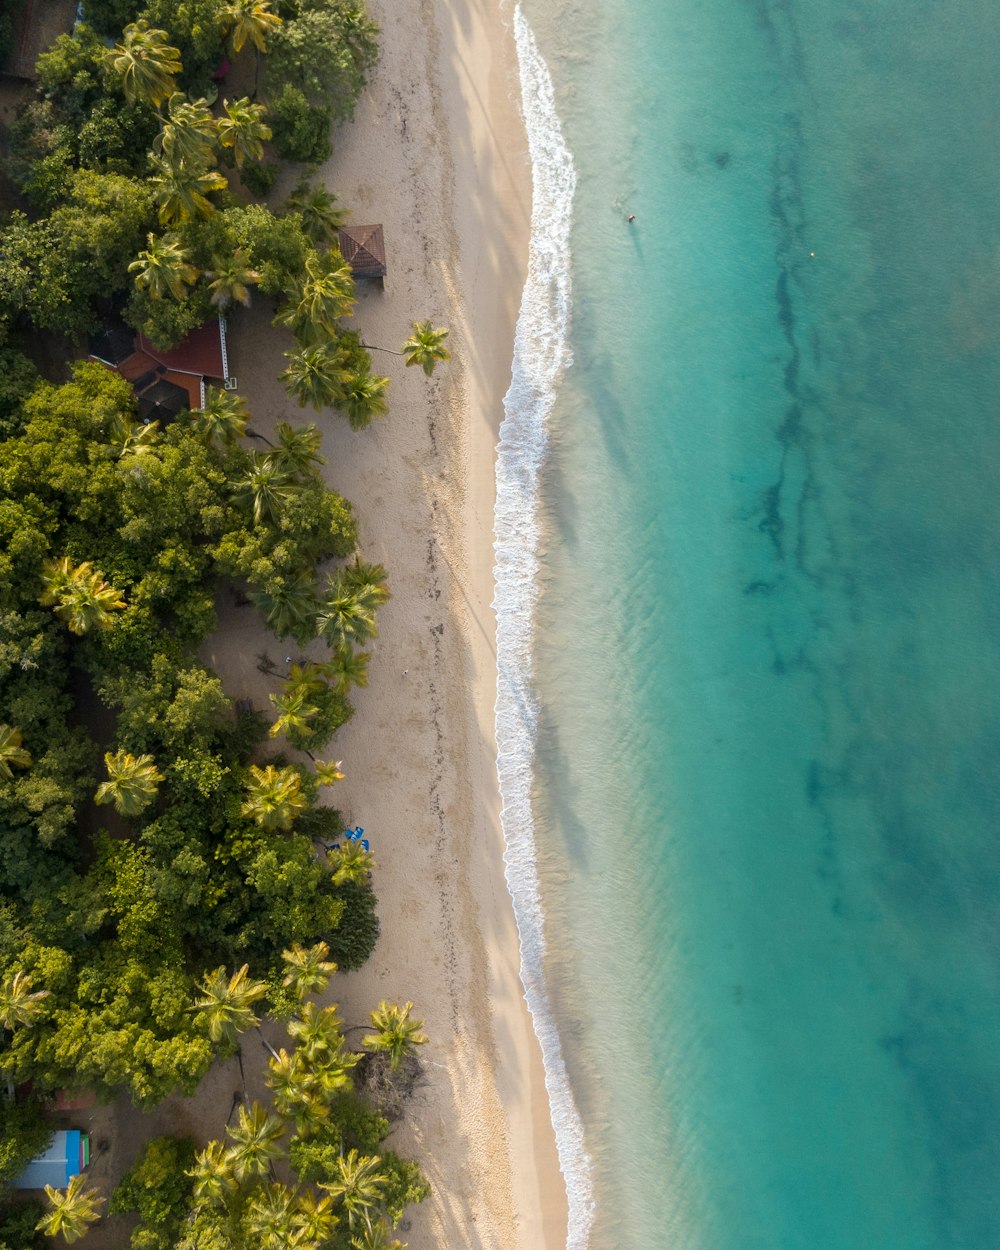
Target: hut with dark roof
[363, 247]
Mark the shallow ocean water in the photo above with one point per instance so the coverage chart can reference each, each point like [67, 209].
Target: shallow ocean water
[767, 652]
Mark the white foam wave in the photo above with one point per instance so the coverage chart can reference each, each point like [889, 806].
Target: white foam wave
[541, 354]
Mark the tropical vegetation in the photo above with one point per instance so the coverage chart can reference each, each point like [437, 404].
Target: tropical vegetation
[165, 881]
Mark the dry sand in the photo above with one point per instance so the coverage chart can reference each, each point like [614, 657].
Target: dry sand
[438, 155]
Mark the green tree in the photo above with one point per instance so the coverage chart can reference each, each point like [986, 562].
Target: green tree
[212, 1174]
[225, 1007]
[190, 133]
[347, 667]
[274, 796]
[181, 191]
[297, 451]
[80, 595]
[307, 969]
[313, 1220]
[12, 753]
[251, 20]
[269, 1216]
[264, 489]
[396, 1035]
[231, 280]
[316, 376]
[362, 398]
[317, 207]
[223, 419]
[289, 605]
[164, 268]
[357, 1186]
[255, 1142]
[133, 782]
[145, 63]
[327, 52]
[326, 294]
[20, 1005]
[295, 711]
[159, 1187]
[425, 346]
[243, 131]
[377, 1237]
[301, 131]
[347, 611]
[350, 863]
[328, 773]
[72, 1210]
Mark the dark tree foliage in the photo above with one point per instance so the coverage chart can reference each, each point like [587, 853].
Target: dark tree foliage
[327, 49]
[24, 1133]
[301, 131]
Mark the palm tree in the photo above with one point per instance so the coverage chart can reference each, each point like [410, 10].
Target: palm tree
[12, 753]
[396, 1034]
[297, 450]
[358, 1185]
[315, 375]
[73, 1210]
[213, 1175]
[362, 398]
[327, 293]
[318, 1033]
[348, 668]
[180, 191]
[313, 1219]
[255, 1142]
[189, 135]
[19, 1004]
[243, 129]
[377, 1237]
[251, 20]
[425, 346]
[132, 782]
[269, 1217]
[145, 62]
[274, 797]
[295, 712]
[289, 607]
[135, 438]
[372, 577]
[80, 595]
[232, 278]
[265, 489]
[307, 969]
[226, 1004]
[309, 677]
[350, 863]
[298, 1092]
[347, 611]
[223, 419]
[328, 774]
[321, 219]
[164, 268]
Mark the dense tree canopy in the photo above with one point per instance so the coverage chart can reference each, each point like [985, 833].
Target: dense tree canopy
[141, 845]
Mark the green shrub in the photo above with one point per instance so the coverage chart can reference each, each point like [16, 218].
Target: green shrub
[158, 1187]
[301, 131]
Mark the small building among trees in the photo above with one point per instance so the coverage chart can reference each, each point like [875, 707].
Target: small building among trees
[166, 381]
[66, 1157]
[363, 247]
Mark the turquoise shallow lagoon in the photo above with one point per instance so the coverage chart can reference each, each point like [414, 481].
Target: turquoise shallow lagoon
[768, 641]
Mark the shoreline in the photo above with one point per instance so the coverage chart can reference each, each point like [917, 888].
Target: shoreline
[438, 154]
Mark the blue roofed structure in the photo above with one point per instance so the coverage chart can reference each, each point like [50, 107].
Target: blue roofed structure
[65, 1158]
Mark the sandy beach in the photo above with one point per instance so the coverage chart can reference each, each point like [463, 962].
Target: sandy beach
[437, 154]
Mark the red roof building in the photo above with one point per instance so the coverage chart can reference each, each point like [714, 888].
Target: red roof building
[201, 358]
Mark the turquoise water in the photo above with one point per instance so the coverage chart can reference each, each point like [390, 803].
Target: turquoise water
[768, 646]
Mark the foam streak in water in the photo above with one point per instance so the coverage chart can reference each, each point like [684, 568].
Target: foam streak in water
[541, 353]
